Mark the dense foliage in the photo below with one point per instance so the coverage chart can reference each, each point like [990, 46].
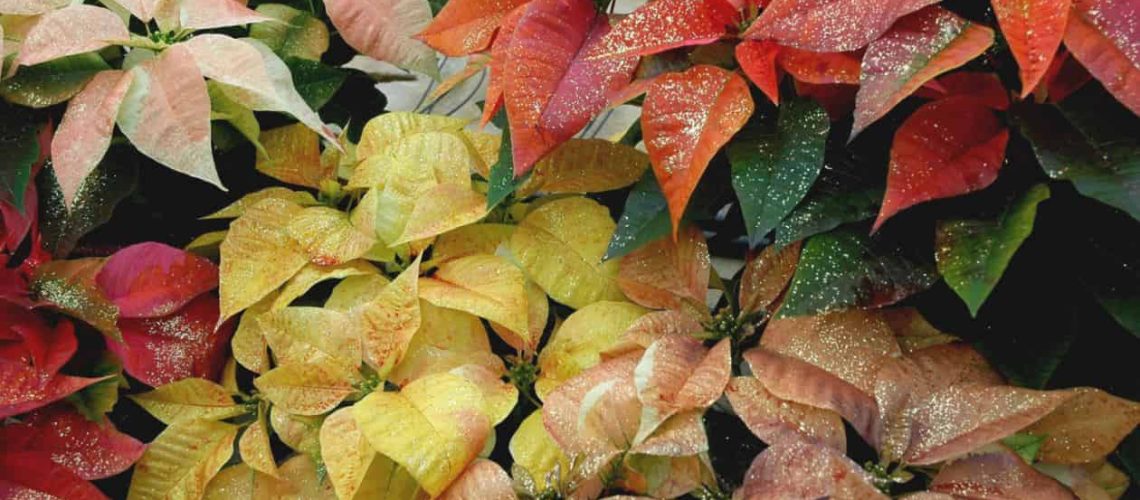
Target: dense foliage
[569, 249]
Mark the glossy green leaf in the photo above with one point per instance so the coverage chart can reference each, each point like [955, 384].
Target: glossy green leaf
[296, 33]
[111, 182]
[1090, 141]
[316, 82]
[845, 268]
[822, 212]
[52, 82]
[774, 171]
[1025, 445]
[21, 150]
[645, 218]
[502, 182]
[972, 254]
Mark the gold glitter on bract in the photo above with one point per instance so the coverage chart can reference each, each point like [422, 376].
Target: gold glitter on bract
[918, 48]
[665, 24]
[776, 421]
[801, 470]
[1101, 34]
[996, 472]
[552, 91]
[686, 119]
[70, 286]
[830, 25]
[947, 148]
[668, 274]
[464, 27]
[766, 276]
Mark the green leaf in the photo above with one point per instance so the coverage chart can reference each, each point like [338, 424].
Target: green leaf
[845, 268]
[111, 182]
[295, 33]
[822, 212]
[1124, 309]
[21, 149]
[1129, 454]
[222, 107]
[52, 82]
[98, 399]
[1089, 142]
[774, 171]
[1025, 445]
[972, 254]
[645, 218]
[316, 82]
[502, 182]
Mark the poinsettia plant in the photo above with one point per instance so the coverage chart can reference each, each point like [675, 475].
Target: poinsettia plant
[707, 249]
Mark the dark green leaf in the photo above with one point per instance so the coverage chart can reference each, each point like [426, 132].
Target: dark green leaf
[315, 82]
[1026, 445]
[1027, 358]
[1091, 143]
[1129, 454]
[822, 212]
[645, 218]
[52, 82]
[774, 171]
[112, 181]
[972, 254]
[502, 182]
[845, 268]
[19, 150]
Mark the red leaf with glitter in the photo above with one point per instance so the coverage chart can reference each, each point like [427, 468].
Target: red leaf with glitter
[32, 475]
[496, 69]
[1033, 30]
[946, 148]
[666, 24]
[830, 25]
[1102, 35]
[821, 67]
[158, 351]
[686, 119]
[551, 91]
[758, 60]
[25, 388]
[464, 27]
[31, 354]
[90, 450]
[148, 280]
[917, 49]
[985, 88]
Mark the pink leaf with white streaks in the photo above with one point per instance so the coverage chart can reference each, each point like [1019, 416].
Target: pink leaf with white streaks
[69, 31]
[254, 76]
[776, 421]
[30, 7]
[551, 90]
[84, 134]
[997, 473]
[166, 114]
[384, 30]
[677, 373]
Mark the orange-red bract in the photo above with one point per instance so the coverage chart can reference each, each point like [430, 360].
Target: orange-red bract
[551, 90]
[89, 449]
[947, 148]
[830, 25]
[496, 69]
[985, 88]
[821, 67]
[918, 48]
[686, 119]
[758, 60]
[1033, 30]
[1102, 35]
[464, 27]
[30, 359]
[666, 24]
